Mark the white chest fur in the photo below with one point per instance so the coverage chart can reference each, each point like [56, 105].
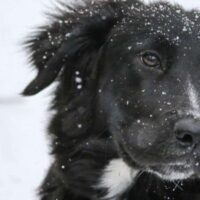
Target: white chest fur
[117, 178]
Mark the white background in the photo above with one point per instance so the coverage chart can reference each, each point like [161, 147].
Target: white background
[24, 148]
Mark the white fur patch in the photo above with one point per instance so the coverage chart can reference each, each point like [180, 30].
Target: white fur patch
[117, 178]
[193, 99]
[173, 176]
[177, 176]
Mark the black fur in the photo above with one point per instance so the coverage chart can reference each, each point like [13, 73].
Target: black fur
[90, 41]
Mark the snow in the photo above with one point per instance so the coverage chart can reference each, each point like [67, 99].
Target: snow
[23, 143]
[79, 87]
[79, 125]
[185, 3]
[23, 140]
[78, 80]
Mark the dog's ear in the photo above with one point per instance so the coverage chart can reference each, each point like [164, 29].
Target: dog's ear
[72, 32]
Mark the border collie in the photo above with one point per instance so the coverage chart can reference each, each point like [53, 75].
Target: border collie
[127, 120]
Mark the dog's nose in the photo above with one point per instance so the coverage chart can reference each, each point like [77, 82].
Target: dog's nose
[187, 132]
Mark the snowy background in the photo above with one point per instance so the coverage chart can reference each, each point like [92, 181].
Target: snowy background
[24, 148]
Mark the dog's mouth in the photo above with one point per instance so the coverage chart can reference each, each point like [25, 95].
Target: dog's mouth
[173, 171]
[186, 169]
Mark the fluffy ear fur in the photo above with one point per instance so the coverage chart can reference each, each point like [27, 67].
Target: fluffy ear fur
[73, 32]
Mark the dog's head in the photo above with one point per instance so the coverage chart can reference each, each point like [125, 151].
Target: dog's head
[140, 63]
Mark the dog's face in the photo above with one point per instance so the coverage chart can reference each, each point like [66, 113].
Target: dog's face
[145, 67]
[150, 91]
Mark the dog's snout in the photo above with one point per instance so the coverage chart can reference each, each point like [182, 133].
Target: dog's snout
[187, 132]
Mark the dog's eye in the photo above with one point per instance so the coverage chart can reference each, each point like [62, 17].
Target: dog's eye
[150, 59]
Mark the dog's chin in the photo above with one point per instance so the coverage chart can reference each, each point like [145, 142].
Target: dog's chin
[173, 172]
[189, 169]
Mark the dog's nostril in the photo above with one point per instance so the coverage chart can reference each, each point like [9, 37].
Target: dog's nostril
[184, 138]
[187, 132]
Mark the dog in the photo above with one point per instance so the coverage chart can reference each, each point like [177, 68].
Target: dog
[127, 120]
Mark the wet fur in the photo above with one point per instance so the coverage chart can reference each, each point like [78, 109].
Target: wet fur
[81, 143]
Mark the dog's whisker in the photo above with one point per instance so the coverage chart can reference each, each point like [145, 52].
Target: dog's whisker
[177, 185]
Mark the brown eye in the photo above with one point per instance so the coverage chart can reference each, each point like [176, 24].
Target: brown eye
[151, 59]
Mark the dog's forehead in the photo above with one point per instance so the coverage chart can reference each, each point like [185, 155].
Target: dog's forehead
[163, 19]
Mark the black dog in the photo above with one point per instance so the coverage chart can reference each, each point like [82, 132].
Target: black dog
[127, 122]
